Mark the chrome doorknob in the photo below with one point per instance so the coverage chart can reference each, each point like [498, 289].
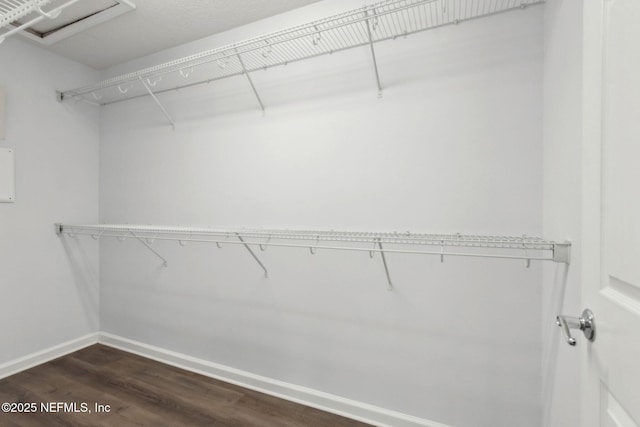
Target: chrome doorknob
[586, 323]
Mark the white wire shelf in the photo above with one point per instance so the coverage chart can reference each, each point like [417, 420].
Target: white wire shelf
[525, 248]
[14, 12]
[372, 24]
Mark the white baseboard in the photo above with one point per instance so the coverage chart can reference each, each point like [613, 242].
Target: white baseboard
[327, 402]
[324, 401]
[43, 356]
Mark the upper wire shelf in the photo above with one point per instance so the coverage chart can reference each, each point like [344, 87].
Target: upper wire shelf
[369, 25]
[485, 246]
[13, 12]
[401, 238]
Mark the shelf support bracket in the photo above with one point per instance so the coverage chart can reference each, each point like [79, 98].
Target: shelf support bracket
[266, 275]
[384, 262]
[246, 73]
[146, 86]
[141, 240]
[373, 52]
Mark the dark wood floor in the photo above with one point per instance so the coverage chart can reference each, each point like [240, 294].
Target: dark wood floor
[142, 392]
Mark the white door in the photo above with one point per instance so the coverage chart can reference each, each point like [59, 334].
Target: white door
[611, 233]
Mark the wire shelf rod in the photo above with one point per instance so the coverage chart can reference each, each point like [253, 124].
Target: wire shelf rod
[397, 238]
[343, 248]
[314, 233]
[264, 238]
[519, 248]
[348, 22]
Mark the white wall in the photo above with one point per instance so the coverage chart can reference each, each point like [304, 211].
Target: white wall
[563, 32]
[454, 146]
[49, 290]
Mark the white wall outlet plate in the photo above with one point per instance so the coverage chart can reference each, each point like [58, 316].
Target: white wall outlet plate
[7, 175]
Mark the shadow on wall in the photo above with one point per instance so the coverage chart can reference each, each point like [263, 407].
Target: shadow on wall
[555, 305]
[85, 278]
[432, 60]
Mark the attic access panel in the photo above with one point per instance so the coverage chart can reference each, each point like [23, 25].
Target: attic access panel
[74, 18]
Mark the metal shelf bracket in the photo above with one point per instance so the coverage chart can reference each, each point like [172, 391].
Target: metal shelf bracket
[148, 246]
[266, 275]
[384, 262]
[146, 86]
[373, 51]
[253, 87]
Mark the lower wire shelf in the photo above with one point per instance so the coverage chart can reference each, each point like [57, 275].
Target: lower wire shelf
[524, 247]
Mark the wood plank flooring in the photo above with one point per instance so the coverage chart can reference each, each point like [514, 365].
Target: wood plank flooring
[142, 392]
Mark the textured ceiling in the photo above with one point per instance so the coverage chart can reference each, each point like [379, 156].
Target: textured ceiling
[160, 24]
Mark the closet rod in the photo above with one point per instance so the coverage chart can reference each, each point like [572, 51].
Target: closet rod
[341, 248]
[518, 248]
[365, 26]
[371, 242]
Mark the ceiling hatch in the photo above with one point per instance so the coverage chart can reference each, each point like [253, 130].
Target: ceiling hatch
[75, 17]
